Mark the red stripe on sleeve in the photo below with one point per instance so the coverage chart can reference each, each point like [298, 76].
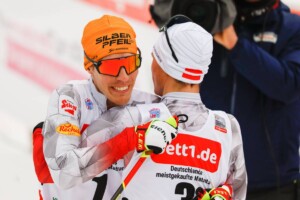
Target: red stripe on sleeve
[40, 165]
[83, 128]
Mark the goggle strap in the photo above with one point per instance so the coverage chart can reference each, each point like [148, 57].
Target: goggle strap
[177, 19]
[96, 64]
[169, 43]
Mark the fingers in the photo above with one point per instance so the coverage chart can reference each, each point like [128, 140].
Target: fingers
[156, 135]
[227, 38]
[222, 193]
[202, 194]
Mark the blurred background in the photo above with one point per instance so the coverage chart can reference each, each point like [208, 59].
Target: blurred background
[40, 49]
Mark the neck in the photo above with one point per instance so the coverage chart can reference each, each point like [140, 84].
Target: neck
[172, 85]
[110, 104]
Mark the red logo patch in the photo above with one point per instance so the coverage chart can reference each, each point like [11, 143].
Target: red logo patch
[68, 106]
[218, 128]
[191, 151]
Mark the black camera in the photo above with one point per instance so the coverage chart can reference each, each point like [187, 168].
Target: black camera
[212, 15]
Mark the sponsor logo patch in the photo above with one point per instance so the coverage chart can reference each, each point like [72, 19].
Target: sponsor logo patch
[68, 129]
[154, 113]
[67, 106]
[220, 124]
[191, 151]
[114, 38]
[265, 37]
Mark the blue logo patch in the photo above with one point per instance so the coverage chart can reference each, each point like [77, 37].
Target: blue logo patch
[89, 104]
[154, 113]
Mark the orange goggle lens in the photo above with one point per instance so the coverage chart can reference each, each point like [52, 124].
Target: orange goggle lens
[112, 67]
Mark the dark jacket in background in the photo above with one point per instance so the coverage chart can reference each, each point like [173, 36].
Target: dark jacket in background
[259, 83]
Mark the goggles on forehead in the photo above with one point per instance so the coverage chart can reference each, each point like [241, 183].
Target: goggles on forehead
[112, 67]
[177, 19]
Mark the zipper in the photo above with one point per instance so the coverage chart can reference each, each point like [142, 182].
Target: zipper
[233, 94]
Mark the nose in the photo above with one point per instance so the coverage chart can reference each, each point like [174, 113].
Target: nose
[123, 76]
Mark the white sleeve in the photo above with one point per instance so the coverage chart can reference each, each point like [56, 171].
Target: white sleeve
[71, 158]
[237, 175]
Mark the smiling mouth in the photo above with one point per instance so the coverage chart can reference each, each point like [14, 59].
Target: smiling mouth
[121, 89]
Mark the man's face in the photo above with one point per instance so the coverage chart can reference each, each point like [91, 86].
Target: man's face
[158, 77]
[117, 89]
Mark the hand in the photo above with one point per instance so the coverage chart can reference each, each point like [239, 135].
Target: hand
[223, 192]
[201, 194]
[156, 135]
[227, 38]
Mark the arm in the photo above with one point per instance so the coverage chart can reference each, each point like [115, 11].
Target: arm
[70, 161]
[237, 176]
[278, 76]
[79, 164]
[74, 157]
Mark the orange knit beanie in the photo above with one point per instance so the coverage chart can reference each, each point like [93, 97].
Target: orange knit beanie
[105, 36]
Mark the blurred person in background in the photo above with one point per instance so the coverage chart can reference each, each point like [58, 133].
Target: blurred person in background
[75, 171]
[255, 75]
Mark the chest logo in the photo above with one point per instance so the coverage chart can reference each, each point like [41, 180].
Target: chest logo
[88, 104]
[265, 37]
[191, 151]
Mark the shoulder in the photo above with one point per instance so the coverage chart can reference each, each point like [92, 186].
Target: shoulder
[291, 22]
[235, 126]
[142, 97]
[224, 117]
[72, 87]
[70, 92]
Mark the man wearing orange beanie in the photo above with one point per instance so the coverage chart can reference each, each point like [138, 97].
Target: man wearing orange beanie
[112, 59]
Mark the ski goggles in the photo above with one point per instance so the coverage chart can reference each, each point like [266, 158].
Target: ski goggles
[177, 19]
[112, 67]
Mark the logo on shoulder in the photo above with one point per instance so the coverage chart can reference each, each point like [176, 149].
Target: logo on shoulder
[220, 124]
[154, 113]
[67, 106]
[89, 104]
[68, 129]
